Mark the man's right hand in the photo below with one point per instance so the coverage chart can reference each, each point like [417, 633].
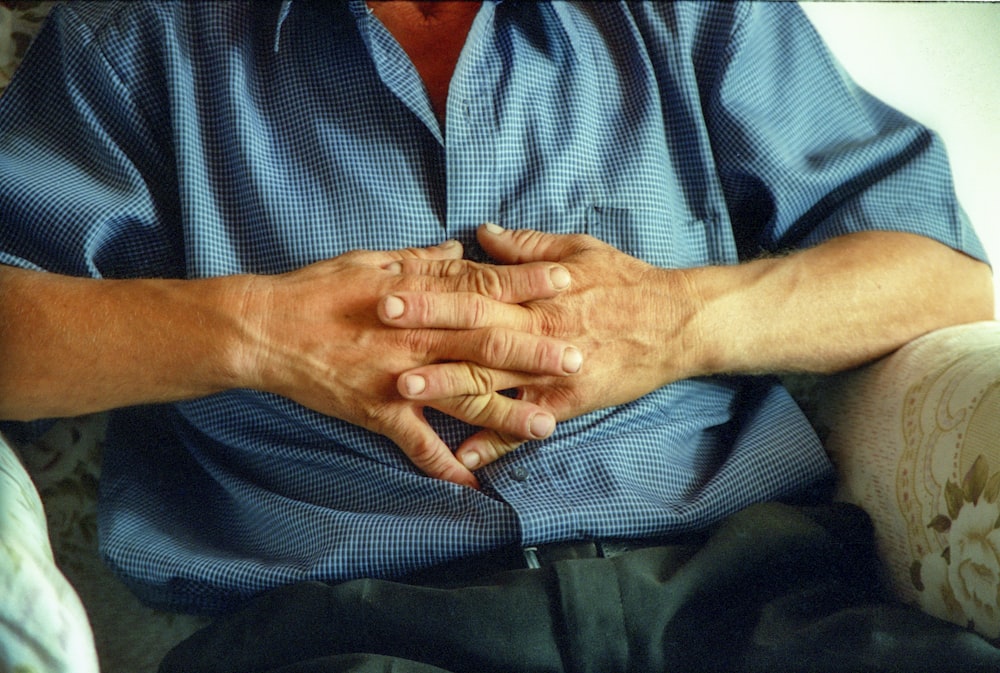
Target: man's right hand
[70, 346]
[314, 336]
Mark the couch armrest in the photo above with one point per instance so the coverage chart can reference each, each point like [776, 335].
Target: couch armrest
[43, 626]
[916, 441]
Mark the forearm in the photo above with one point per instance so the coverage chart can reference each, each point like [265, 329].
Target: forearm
[835, 306]
[640, 327]
[70, 346]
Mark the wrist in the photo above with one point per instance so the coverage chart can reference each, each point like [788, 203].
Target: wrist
[683, 345]
[242, 303]
[722, 315]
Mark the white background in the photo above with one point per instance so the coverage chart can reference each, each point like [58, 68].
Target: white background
[939, 62]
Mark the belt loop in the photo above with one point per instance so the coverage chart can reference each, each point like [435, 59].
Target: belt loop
[531, 559]
[544, 555]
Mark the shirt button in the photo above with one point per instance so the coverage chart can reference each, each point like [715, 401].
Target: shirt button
[518, 473]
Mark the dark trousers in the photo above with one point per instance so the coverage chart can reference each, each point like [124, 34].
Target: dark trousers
[773, 588]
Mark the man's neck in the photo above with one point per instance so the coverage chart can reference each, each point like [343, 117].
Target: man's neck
[432, 34]
[429, 11]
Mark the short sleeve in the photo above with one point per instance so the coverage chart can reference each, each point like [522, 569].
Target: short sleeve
[805, 154]
[86, 185]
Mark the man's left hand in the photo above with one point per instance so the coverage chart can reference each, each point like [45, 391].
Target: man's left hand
[823, 309]
[628, 319]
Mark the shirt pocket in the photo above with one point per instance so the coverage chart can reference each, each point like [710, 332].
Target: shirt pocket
[652, 235]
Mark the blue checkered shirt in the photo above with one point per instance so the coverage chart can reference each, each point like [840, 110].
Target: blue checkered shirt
[208, 138]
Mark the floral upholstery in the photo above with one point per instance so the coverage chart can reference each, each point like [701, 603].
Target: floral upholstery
[916, 438]
[43, 626]
[19, 21]
[65, 466]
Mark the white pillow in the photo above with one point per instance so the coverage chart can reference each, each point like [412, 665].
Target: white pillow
[43, 626]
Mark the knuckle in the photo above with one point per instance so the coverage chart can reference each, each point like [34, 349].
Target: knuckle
[579, 242]
[547, 356]
[419, 308]
[528, 238]
[486, 281]
[478, 313]
[500, 445]
[431, 459]
[424, 454]
[497, 347]
[411, 266]
[377, 417]
[411, 252]
[415, 341]
[473, 379]
[355, 256]
[527, 280]
[457, 267]
[423, 275]
[550, 319]
[473, 408]
[451, 267]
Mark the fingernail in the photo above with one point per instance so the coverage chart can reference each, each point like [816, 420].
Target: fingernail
[449, 244]
[415, 384]
[393, 307]
[572, 360]
[471, 460]
[493, 228]
[394, 267]
[541, 425]
[559, 277]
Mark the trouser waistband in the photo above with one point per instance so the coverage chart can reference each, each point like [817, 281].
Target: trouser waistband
[476, 568]
[542, 555]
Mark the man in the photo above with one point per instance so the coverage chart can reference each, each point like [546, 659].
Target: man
[198, 190]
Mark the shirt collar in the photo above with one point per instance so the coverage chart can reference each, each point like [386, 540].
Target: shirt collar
[567, 19]
[286, 6]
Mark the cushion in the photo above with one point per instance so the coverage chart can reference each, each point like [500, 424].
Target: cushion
[916, 438]
[43, 626]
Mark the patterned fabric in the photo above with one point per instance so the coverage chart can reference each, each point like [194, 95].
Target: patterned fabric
[43, 627]
[922, 456]
[19, 21]
[64, 465]
[203, 139]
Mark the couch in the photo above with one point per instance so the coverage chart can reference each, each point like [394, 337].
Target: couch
[915, 437]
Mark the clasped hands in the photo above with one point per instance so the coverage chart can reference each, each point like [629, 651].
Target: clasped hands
[374, 338]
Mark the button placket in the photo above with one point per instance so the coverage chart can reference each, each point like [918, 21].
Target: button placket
[470, 137]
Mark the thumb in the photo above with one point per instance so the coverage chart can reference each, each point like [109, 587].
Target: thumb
[485, 447]
[516, 246]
